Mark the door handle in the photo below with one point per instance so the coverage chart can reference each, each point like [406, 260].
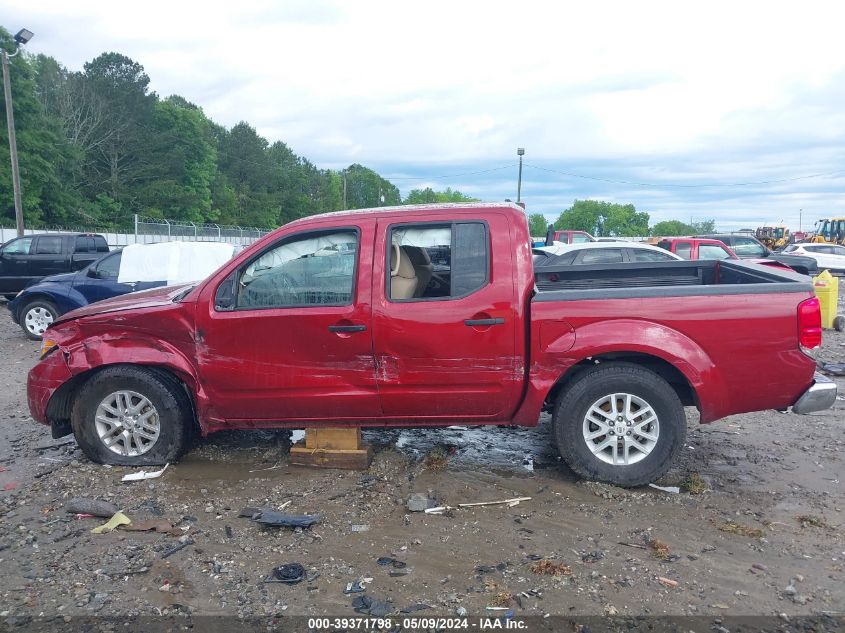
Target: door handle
[347, 328]
[476, 322]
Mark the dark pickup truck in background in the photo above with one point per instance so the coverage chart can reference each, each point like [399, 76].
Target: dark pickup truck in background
[25, 260]
[747, 247]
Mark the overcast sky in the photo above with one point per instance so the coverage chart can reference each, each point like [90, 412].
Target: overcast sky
[431, 93]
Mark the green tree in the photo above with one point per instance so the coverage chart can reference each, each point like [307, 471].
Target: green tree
[537, 225]
[669, 228]
[365, 189]
[46, 197]
[429, 196]
[703, 227]
[604, 219]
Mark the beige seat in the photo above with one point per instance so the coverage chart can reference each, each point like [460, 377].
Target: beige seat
[422, 265]
[403, 277]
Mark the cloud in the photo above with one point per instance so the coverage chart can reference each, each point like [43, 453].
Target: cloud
[659, 92]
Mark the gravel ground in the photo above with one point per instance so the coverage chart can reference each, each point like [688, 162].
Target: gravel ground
[764, 538]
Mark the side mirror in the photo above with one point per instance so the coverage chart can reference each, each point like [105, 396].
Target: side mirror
[224, 298]
[93, 273]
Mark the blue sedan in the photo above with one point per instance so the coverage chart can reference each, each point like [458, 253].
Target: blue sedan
[37, 306]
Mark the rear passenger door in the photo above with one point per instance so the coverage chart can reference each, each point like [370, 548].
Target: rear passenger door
[49, 256]
[444, 319]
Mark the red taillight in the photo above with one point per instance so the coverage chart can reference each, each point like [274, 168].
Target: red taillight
[810, 323]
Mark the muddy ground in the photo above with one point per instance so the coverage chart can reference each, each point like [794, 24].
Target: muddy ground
[766, 537]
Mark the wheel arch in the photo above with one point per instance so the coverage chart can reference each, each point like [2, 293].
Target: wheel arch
[60, 406]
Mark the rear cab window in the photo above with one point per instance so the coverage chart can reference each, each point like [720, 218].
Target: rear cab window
[683, 250]
[437, 261]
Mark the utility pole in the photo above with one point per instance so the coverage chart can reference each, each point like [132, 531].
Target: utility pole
[21, 38]
[800, 220]
[520, 151]
[344, 190]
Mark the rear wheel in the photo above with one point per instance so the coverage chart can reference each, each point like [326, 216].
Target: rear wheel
[619, 423]
[131, 416]
[36, 317]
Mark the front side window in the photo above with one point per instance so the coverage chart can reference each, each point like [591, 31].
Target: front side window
[746, 247]
[109, 267]
[437, 261]
[18, 247]
[48, 246]
[712, 251]
[316, 269]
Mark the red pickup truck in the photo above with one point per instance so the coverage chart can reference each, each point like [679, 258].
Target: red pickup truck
[432, 316]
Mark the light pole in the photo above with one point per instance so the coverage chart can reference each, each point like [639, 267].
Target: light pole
[520, 151]
[21, 38]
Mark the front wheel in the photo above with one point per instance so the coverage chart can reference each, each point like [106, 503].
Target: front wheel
[131, 416]
[619, 423]
[36, 317]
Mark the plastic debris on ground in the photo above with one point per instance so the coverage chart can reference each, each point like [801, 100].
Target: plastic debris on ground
[671, 489]
[289, 574]
[113, 523]
[370, 606]
[143, 474]
[272, 518]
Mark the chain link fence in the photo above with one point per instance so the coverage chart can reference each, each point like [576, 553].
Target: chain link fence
[151, 230]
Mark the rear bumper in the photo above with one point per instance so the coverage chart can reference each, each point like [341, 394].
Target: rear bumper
[820, 396]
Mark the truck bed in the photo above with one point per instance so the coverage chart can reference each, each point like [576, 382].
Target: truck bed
[663, 279]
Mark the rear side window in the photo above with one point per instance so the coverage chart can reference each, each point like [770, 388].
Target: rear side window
[443, 261]
[711, 251]
[646, 255]
[601, 256]
[683, 250]
[18, 247]
[48, 245]
[100, 244]
[747, 247]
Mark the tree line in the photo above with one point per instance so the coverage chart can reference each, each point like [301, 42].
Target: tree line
[96, 146]
[608, 219]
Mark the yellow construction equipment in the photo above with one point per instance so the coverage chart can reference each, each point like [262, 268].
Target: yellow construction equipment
[773, 237]
[829, 230]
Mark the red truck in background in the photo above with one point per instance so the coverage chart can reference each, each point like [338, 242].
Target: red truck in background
[694, 248]
[433, 316]
[572, 237]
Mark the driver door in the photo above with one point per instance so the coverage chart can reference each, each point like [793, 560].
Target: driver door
[294, 339]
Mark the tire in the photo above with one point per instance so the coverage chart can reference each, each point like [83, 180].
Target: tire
[35, 316]
[160, 427]
[651, 447]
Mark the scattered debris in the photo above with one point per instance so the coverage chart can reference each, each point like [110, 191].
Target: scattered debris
[180, 546]
[671, 489]
[668, 582]
[508, 502]
[659, 549]
[810, 520]
[143, 474]
[355, 587]
[833, 369]
[370, 606]
[549, 567]
[738, 528]
[501, 599]
[151, 525]
[282, 519]
[289, 574]
[593, 557]
[384, 561]
[113, 523]
[91, 507]
[693, 484]
[420, 502]
[360, 528]
[414, 608]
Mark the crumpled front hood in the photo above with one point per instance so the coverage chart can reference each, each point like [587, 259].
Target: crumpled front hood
[153, 298]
